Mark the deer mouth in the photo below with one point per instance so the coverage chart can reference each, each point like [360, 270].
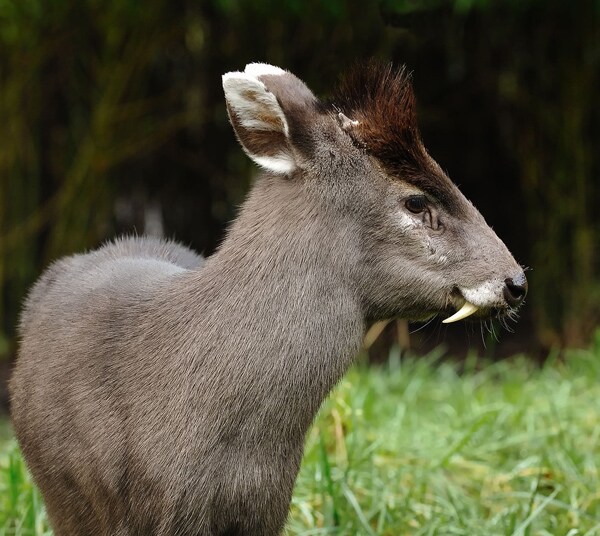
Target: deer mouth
[465, 308]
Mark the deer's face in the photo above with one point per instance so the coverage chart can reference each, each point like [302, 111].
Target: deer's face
[424, 247]
[424, 256]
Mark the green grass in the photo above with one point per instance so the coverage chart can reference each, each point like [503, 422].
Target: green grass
[417, 448]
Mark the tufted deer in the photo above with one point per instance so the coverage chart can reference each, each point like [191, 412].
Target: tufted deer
[157, 393]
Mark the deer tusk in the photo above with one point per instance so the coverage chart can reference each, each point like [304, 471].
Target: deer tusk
[466, 310]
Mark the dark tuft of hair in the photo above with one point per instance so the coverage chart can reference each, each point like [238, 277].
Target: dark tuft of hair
[381, 98]
[376, 91]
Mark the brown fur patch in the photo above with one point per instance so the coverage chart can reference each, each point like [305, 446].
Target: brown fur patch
[382, 100]
[260, 143]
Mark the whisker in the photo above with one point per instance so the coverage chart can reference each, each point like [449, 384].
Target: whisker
[423, 326]
[510, 315]
[495, 335]
[481, 322]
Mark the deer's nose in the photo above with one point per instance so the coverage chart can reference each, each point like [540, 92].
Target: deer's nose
[515, 289]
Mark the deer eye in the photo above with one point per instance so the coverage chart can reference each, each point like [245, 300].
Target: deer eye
[416, 204]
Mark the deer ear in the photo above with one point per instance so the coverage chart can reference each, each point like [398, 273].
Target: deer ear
[258, 119]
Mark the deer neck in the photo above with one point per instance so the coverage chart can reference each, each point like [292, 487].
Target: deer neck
[285, 279]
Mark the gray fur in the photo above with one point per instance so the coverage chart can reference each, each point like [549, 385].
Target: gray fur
[157, 394]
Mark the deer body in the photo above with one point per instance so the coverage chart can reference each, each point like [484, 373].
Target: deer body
[158, 393]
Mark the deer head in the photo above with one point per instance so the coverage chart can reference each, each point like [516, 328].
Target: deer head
[421, 247]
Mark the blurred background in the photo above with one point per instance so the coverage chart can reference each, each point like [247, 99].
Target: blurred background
[112, 120]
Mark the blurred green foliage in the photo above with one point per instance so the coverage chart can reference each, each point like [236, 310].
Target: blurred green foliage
[110, 107]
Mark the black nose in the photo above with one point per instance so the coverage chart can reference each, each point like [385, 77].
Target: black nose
[515, 289]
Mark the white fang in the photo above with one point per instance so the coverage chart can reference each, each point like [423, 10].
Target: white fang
[466, 310]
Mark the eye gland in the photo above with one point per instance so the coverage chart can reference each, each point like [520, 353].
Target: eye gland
[416, 204]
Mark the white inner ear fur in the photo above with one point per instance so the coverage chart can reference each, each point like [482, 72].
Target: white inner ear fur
[257, 109]
[260, 69]
[253, 102]
[278, 164]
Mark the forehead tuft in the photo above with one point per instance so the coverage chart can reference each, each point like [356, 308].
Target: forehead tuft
[377, 91]
[381, 98]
